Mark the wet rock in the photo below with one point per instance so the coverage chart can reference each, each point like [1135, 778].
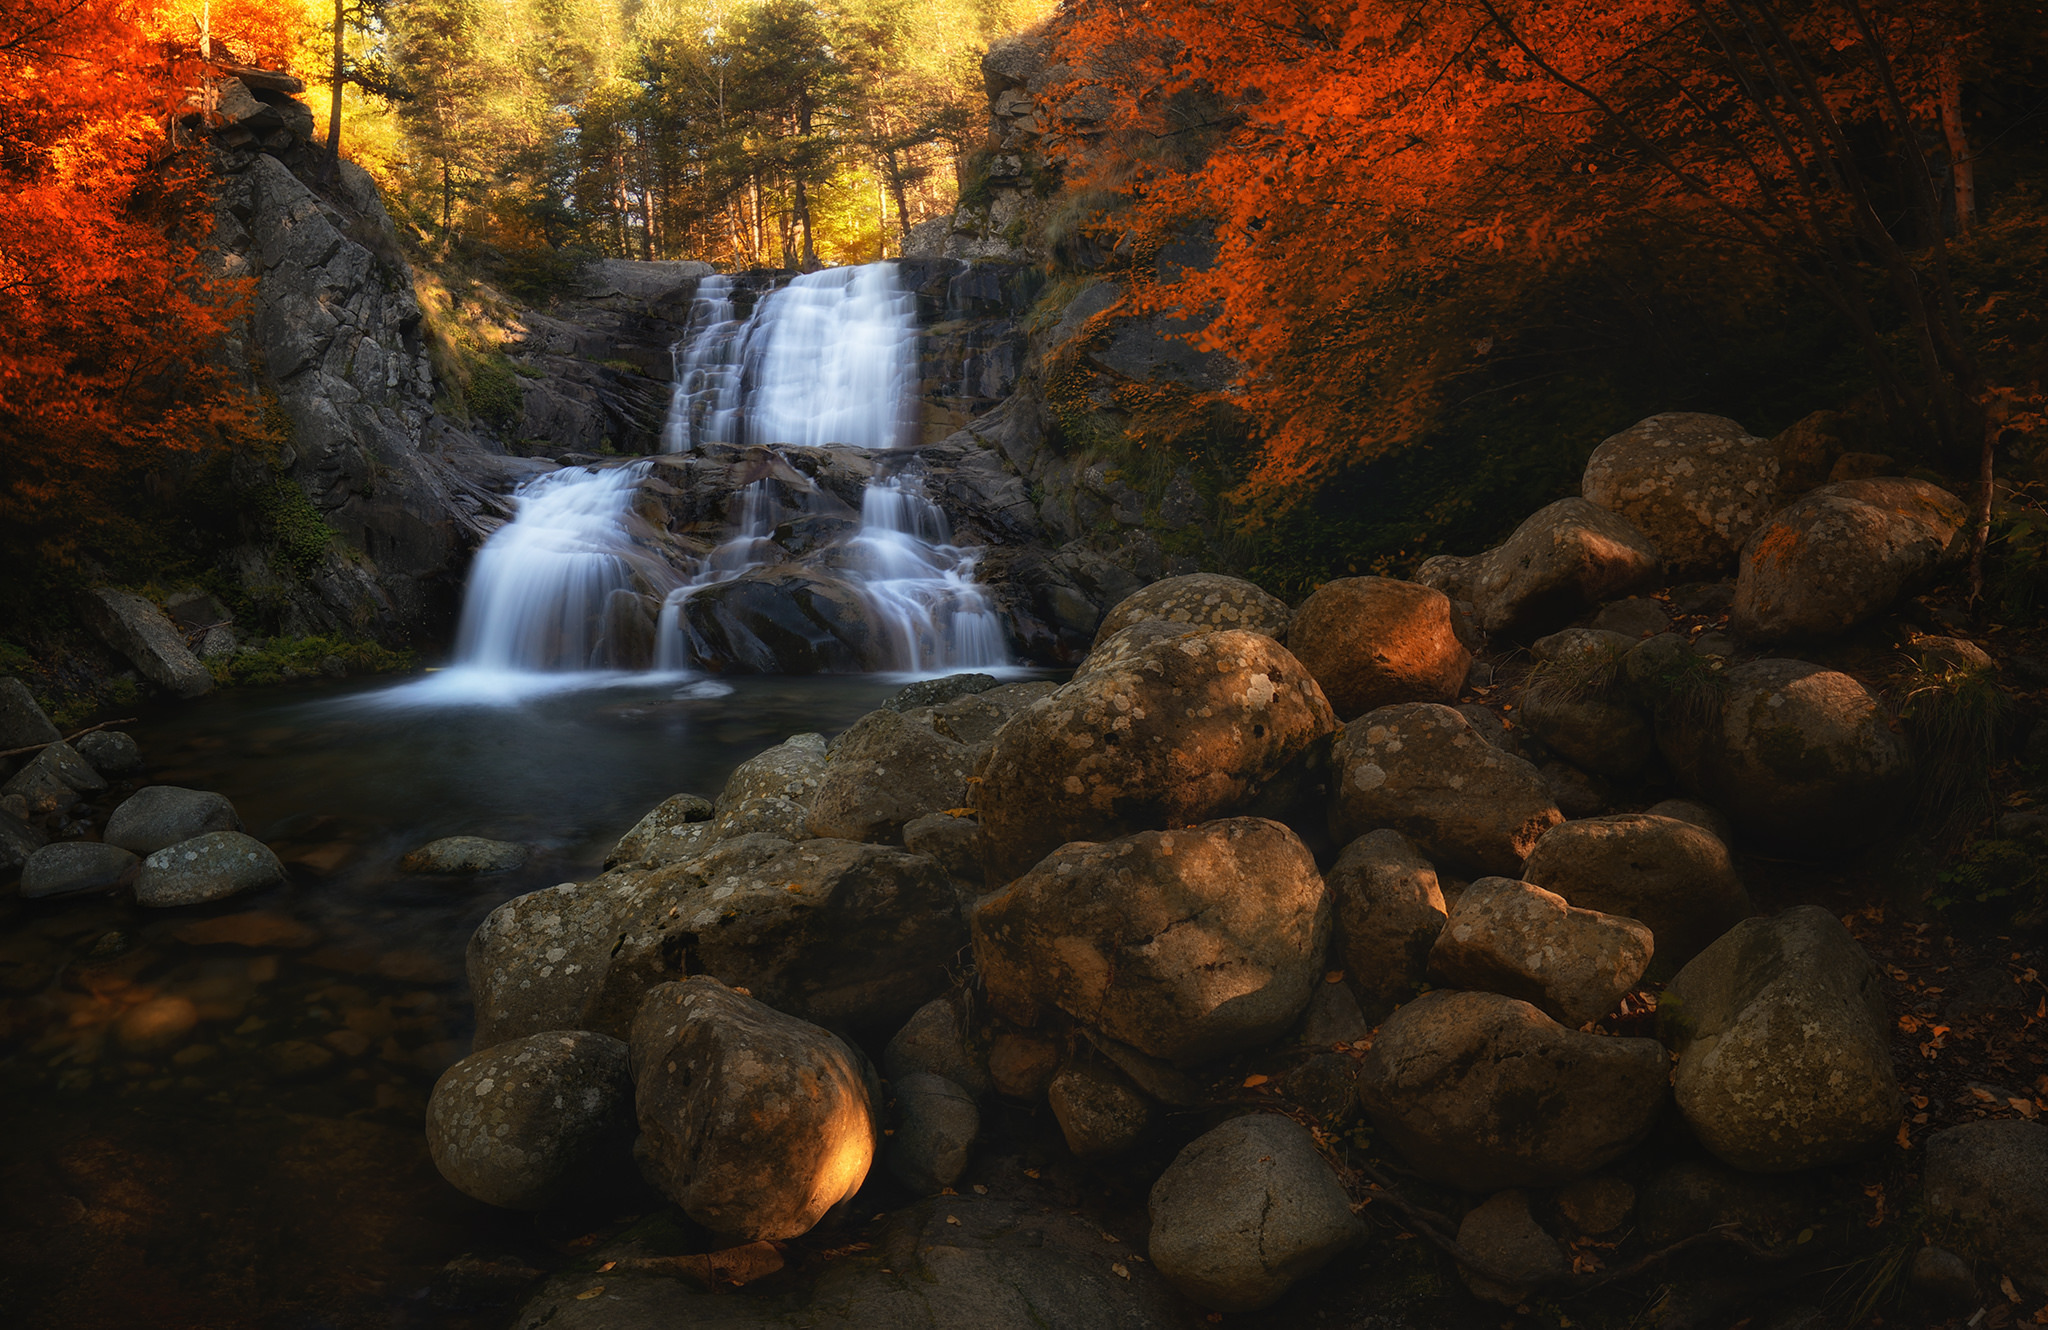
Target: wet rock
[1802, 757]
[1784, 1049]
[1021, 1066]
[934, 1040]
[1374, 641]
[1245, 1212]
[890, 768]
[1509, 937]
[1200, 600]
[1186, 945]
[71, 868]
[754, 1122]
[22, 722]
[1512, 1256]
[1099, 1111]
[160, 815]
[785, 620]
[138, 630]
[1423, 770]
[534, 1121]
[158, 1025]
[110, 752]
[676, 829]
[1562, 561]
[1389, 909]
[1672, 875]
[464, 854]
[1990, 1179]
[1484, 1092]
[1596, 1205]
[1842, 554]
[1186, 729]
[936, 1126]
[1696, 485]
[950, 840]
[206, 868]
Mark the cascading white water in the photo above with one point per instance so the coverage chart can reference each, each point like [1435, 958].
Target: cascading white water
[922, 584]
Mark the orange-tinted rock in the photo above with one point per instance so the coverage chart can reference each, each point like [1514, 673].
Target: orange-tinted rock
[1374, 641]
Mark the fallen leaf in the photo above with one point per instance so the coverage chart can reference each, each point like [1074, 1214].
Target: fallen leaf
[588, 1294]
[2005, 1287]
[1333, 977]
[1254, 1080]
[952, 1219]
[1120, 1270]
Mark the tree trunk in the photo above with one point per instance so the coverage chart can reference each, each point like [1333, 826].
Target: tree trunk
[334, 104]
[803, 219]
[902, 207]
[1962, 171]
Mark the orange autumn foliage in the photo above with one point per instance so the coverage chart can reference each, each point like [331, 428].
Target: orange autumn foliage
[1384, 179]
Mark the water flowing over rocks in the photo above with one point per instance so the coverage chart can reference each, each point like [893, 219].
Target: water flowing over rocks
[1696, 485]
[1372, 641]
[530, 1122]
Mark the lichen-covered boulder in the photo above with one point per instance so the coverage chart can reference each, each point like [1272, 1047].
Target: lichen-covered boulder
[1483, 1092]
[675, 829]
[790, 770]
[73, 867]
[458, 855]
[1990, 1179]
[206, 868]
[889, 769]
[1246, 1211]
[1423, 770]
[1509, 937]
[1562, 561]
[1696, 485]
[1576, 701]
[1843, 553]
[1099, 1111]
[1389, 910]
[160, 815]
[534, 1121]
[1187, 729]
[1199, 600]
[1784, 1049]
[110, 752]
[538, 962]
[754, 1122]
[1186, 945]
[1374, 641]
[1801, 756]
[1674, 876]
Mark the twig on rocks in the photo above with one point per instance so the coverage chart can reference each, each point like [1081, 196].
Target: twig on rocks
[37, 748]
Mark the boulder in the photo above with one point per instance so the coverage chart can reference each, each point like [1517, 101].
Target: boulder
[771, 815]
[160, 815]
[18, 840]
[1696, 485]
[1512, 1255]
[1423, 770]
[1672, 875]
[1563, 560]
[1990, 1180]
[1484, 1092]
[1199, 600]
[676, 829]
[111, 752]
[53, 780]
[754, 1122]
[1784, 1049]
[1186, 945]
[206, 868]
[936, 1123]
[1509, 937]
[790, 770]
[1389, 909]
[1099, 1111]
[1576, 702]
[1373, 641]
[452, 855]
[949, 839]
[890, 768]
[1597, 1204]
[936, 692]
[535, 1121]
[73, 867]
[935, 1040]
[1246, 1211]
[540, 961]
[1021, 1066]
[1842, 554]
[1801, 756]
[785, 620]
[138, 630]
[22, 722]
[1706, 818]
[1187, 729]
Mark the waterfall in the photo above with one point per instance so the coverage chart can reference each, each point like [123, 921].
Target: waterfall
[922, 585]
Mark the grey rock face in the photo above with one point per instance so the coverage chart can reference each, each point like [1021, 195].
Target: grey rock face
[1674, 876]
[890, 768]
[1843, 553]
[1423, 770]
[1189, 728]
[1696, 485]
[1099, 1111]
[754, 1122]
[1483, 1092]
[934, 1040]
[22, 722]
[110, 752]
[1390, 909]
[1246, 1211]
[1784, 1049]
[138, 630]
[1515, 1256]
[1562, 561]
[1991, 1179]
[1185, 945]
[534, 1121]
[1200, 600]
[676, 829]
[936, 1125]
[1510, 937]
[1374, 641]
[206, 868]
[74, 867]
[160, 815]
[453, 855]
